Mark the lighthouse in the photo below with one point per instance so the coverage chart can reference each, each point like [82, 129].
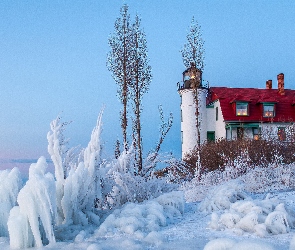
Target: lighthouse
[193, 109]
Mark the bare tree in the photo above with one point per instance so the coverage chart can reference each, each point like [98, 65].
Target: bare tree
[165, 126]
[141, 78]
[119, 62]
[193, 50]
[193, 58]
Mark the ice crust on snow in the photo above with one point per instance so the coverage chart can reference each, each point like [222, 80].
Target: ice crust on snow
[31, 222]
[230, 244]
[10, 184]
[144, 220]
[261, 217]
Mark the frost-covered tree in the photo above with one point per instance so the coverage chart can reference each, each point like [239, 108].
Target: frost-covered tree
[119, 62]
[141, 78]
[129, 64]
[193, 50]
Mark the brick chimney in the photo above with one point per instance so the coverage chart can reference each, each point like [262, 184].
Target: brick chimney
[269, 84]
[281, 88]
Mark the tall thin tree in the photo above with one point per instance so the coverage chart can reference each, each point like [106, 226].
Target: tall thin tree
[119, 63]
[193, 56]
[141, 78]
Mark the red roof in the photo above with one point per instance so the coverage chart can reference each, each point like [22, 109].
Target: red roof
[284, 104]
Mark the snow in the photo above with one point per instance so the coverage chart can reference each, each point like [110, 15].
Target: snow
[168, 222]
[95, 204]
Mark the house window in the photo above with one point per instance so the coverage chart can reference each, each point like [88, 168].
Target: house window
[281, 134]
[216, 113]
[256, 134]
[268, 110]
[242, 109]
[210, 136]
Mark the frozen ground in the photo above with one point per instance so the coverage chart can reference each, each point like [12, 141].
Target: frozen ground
[168, 222]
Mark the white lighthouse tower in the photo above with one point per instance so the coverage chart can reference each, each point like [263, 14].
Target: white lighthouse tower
[193, 110]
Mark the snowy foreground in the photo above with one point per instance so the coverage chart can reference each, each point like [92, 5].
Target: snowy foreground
[95, 204]
[227, 217]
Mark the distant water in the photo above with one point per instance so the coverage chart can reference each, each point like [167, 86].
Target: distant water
[23, 165]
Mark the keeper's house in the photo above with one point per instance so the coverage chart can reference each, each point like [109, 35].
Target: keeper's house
[232, 113]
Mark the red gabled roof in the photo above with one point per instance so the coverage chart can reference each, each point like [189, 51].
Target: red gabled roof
[284, 104]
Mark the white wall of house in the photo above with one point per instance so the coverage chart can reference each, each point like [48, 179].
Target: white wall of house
[220, 131]
[216, 125]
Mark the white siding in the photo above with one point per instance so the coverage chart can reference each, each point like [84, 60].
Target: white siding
[188, 124]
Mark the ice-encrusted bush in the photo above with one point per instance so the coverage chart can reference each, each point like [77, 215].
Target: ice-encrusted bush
[274, 177]
[221, 197]
[10, 184]
[31, 223]
[87, 184]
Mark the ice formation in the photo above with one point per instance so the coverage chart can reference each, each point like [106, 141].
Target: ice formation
[261, 217]
[10, 184]
[82, 186]
[31, 223]
[222, 196]
[144, 220]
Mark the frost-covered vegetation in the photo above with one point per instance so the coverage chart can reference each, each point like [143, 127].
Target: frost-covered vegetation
[90, 199]
[84, 188]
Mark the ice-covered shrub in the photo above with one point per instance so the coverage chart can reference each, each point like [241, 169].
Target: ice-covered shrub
[273, 177]
[86, 184]
[32, 222]
[221, 197]
[130, 187]
[82, 187]
[10, 184]
[58, 151]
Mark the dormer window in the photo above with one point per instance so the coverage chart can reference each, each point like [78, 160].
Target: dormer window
[242, 109]
[268, 110]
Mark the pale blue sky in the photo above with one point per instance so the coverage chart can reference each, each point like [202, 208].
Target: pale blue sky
[53, 61]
